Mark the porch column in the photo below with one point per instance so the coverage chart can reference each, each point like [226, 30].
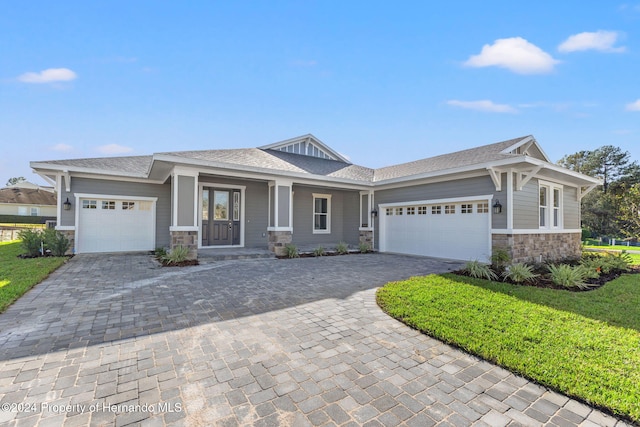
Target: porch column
[184, 210]
[280, 227]
[366, 219]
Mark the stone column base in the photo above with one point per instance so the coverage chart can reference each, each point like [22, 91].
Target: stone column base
[366, 238]
[71, 235]
[539, 247]
[278, 240]
[187, 239]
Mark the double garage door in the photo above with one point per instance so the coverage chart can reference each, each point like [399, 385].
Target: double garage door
[115, 225]
[457, 230]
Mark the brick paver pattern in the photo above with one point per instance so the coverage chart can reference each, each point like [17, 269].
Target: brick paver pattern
[118, 340]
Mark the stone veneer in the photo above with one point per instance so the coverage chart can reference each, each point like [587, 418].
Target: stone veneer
[188, 239]
[71, 235]
[366, 238]
[539, 247]
[278, 240]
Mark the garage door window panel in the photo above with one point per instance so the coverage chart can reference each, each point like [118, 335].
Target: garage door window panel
[449, 209]
[89, 204]
[436, 210]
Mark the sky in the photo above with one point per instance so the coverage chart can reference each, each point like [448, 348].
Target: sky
[380, 82]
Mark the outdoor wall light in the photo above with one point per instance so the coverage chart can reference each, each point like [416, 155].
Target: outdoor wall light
[497, 207]
[67, 205]
[374, 213]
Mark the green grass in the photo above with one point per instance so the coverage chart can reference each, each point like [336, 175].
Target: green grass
[18, 275]
[584, 344]
[613, 248]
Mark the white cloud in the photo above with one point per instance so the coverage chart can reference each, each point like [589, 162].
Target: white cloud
[600, 40]
[114, 149]
[633, 106]
[483, 105]
[50, 75]
[62, 147]
[515, 54]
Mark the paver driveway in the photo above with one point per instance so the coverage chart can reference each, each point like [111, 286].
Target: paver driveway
[114, 339]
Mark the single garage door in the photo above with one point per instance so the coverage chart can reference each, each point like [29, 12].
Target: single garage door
[457, 230]
[115, 225]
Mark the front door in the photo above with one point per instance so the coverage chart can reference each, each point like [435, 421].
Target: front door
[220, 217]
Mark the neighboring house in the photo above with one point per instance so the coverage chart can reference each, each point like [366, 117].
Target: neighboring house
[27, 199]
[301, 191]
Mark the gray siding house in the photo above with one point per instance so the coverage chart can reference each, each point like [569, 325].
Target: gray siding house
[300, 191]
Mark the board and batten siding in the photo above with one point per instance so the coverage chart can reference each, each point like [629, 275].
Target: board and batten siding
[122, 188]
[345, 217]
[256, 206]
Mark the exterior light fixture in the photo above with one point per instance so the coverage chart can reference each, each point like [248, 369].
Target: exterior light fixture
[67, 205]
[374, 213]
[497, 207]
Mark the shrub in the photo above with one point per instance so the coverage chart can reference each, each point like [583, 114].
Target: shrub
[31, 241]
[160, 253]
[177, 255]
[56, 242]
[364, 248]
[342, 248]
[619, 261]
[292, 250]
[500, 258]
[519, 273]
[567, 276]
[319, 251]
[479, 270]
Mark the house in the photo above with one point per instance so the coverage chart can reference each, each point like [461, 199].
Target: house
[27, 200]
[301, 191]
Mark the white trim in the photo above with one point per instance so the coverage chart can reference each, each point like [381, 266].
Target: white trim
[551, 187]
[510, 175]
[66, 227]
[496, 177]
[114, 196]
[280, 229]
[583, 191]
[183, 228]
[313, 212]
[308, 138]
[242, 189]
[534, 231]
[59, 201]
[522, 181]
[483, 197]
[370, 220]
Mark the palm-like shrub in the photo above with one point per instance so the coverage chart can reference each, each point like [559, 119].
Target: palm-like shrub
[56, 242]
[519, 273]
[292, 251]
[479, 270]
[568, 277]
[319, 251]
[176, 255]
[342, 248]
[32, 242]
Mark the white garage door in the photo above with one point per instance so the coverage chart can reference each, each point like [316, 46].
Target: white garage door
[115, 225]
[457, 230]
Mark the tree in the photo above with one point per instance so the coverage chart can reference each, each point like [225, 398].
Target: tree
[629, 216]
[578, 162]
[15, 180]
[610, 163]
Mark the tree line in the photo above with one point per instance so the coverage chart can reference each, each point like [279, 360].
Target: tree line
[613, 208]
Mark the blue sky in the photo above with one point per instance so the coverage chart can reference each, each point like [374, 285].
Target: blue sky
[381, 82]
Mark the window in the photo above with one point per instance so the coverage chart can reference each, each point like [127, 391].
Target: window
[145, 206]
[449, 209]
[89, 204]
[482, 208]
[236, 206]
[35, 211]
[550, 197]
[466, 208]
[436, 210]
[389, 211]
[411, 210]
[128, 206]
[108, 204]
[322, 213]
[422, 210]
[220, 205]
[399, 211]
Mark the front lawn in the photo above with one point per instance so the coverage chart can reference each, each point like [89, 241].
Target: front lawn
[18, 275]
[583, 344]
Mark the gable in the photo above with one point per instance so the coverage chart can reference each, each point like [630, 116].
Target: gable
[306, 145]
[527, 146]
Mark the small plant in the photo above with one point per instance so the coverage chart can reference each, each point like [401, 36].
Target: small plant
[319, 251]
[292, 251]
[342, 248]
[619, 261]
[519, 273]
[567, 276]
[160, 253]
[56, 242]
[177, 255]
[364, 248]
[500, 258]
[32, 242]
[479, 270]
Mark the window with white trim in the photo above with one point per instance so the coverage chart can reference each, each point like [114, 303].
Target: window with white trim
[109, 204]
[422, 210]
[482, 208]
[466, 208]
[411, 210]
[321, 213]
[89, 204]
[399, 211]
[436, 210]
[35, 211]
[550, 201]
[449, 209]
[128, 206]
[389, 211]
